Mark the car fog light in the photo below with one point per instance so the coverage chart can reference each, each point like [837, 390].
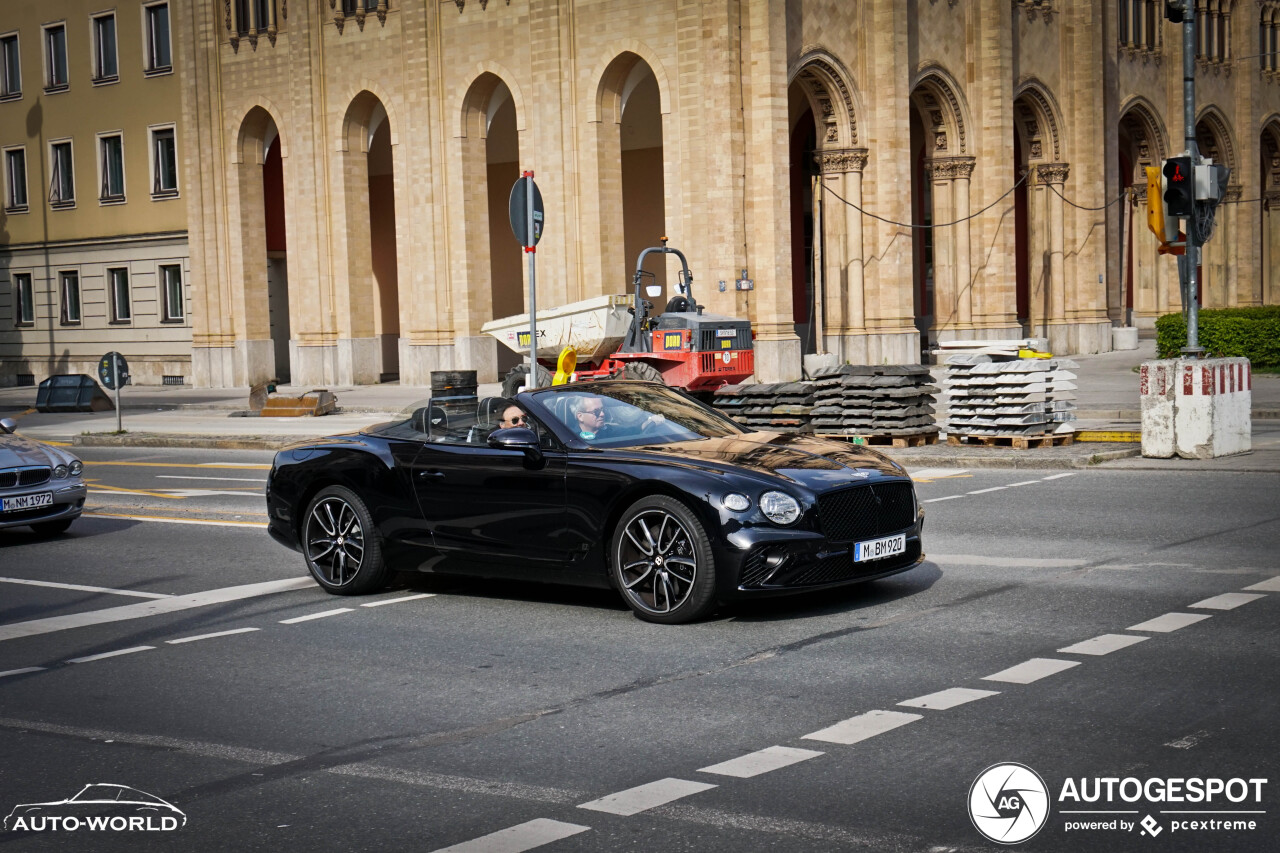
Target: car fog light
[737, 502]
[60, 473]
[779, 507]
[75, 468]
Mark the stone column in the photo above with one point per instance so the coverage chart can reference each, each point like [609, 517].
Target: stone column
[1271, 248]
[1055, 176]
[845, 308]
[952, 265]
[963, 169]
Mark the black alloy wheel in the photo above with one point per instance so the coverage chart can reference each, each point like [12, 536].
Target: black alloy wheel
[662, 562]
[341, 545]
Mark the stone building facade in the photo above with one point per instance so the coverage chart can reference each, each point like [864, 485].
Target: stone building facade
[885, 173]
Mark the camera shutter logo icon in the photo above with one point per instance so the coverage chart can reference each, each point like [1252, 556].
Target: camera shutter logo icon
[1008, 803]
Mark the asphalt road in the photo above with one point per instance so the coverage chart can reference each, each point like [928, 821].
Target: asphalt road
[179, 651]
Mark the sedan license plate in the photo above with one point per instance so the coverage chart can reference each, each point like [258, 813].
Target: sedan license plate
[26, 502]
[878, 549]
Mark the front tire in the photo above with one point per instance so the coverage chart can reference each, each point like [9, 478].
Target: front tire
[519, 375]
[642, 370]
[341, 545]
[662, 563]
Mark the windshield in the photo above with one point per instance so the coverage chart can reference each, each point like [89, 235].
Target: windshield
[623, 414]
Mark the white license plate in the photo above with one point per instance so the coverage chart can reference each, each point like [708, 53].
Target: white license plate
[26, 502]
[878, 549]
[726, 333]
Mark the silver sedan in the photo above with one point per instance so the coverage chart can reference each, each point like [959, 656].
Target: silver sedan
[41, 487]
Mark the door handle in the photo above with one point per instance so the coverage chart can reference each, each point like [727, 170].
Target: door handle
[431, 473]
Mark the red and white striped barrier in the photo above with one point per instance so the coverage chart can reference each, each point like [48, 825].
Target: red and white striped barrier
[1195, 408]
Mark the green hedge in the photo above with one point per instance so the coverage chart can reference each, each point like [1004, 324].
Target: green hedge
[1250, 332]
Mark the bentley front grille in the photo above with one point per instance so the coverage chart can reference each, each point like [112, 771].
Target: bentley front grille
[866, 512]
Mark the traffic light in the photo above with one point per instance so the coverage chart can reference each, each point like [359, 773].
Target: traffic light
[1166, 230]
[1179, 187]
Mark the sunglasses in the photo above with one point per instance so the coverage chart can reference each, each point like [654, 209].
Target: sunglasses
[594, 412]
[519, 419]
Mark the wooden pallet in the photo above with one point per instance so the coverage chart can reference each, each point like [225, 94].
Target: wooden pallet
[1019, 442]
[919, 439]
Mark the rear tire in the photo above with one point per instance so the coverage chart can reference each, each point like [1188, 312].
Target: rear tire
[643, 370]
[341, 545]
[661, 561]
[52, 528]
[517, 377]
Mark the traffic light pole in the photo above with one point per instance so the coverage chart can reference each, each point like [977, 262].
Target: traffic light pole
[1193, 348]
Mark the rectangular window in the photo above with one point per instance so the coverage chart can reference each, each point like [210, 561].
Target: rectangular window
[164, 163]
[62, 186]
[11, 70]
[262, 15]
[70, 282]
[244, 22]
[159, 58]
[121, 305]
[25, 312]
[349, 7]
[106, 66]
[15, 179]
[174, 299]
[55, 57]
[111, 152]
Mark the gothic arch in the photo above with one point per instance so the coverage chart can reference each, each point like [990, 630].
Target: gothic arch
[1214, 137]
[252, 131]
[612, 71]
[1037, 116]
[360, 98]
[1142, 123]
[936, 95]
[1271, 147]
[472, 113]
[828, 86]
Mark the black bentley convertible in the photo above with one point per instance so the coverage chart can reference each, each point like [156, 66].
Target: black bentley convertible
[618, 483]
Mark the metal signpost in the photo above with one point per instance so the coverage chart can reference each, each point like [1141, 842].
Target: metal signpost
[526, 224]
[1193, 348]
[113, 371]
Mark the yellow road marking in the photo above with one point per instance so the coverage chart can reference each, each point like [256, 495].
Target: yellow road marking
[941, 477]
[187, 465]
[104, 487]
[216, 522]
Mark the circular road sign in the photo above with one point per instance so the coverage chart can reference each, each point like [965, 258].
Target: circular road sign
[113, 378]
[520, 212]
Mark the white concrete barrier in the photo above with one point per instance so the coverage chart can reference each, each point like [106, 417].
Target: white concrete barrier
[1124, 337]
[1196, 408]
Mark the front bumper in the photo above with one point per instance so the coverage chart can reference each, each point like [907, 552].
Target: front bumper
[68, 502]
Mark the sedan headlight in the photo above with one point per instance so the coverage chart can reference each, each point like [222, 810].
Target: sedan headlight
[60, 472]
[779, 507]
[76, 468]
[737, 502]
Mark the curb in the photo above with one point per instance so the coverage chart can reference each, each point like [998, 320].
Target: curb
[1026, 459]
[151, 439]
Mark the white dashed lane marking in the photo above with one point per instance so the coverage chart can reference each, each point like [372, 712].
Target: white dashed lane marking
[1032, 670]
[1103, 645]
[984, 491]
[1169, 622]
[322, 614]
[114, 654]
[1227, 601]
[516, 839]
[946, 699]
[763, 761]
[211, 636]
[398, 600]
[22, 671]
[947, 498]
[644, 797]
[81, 588]
[863, 726]
[1269, 585]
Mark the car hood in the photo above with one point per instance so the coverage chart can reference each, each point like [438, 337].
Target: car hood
[815, 463]
[17, 451]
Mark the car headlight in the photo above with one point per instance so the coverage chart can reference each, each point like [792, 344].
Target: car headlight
[737, 502]
[60, 472]
[779, 507]
[76, 468]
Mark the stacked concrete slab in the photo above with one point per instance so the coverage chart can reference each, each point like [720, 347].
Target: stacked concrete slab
[993, 395]
[875, 400]
[768, 406]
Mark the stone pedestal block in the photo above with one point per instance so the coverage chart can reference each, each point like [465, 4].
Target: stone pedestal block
[778, 361]
[1124, 337]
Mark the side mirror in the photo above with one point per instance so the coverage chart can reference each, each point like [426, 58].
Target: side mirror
[515, 438]
[653, 290]
[8, 426]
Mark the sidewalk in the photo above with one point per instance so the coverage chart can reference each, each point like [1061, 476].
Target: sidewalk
[166, 416]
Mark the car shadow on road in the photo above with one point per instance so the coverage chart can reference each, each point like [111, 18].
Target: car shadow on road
[826, 602]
